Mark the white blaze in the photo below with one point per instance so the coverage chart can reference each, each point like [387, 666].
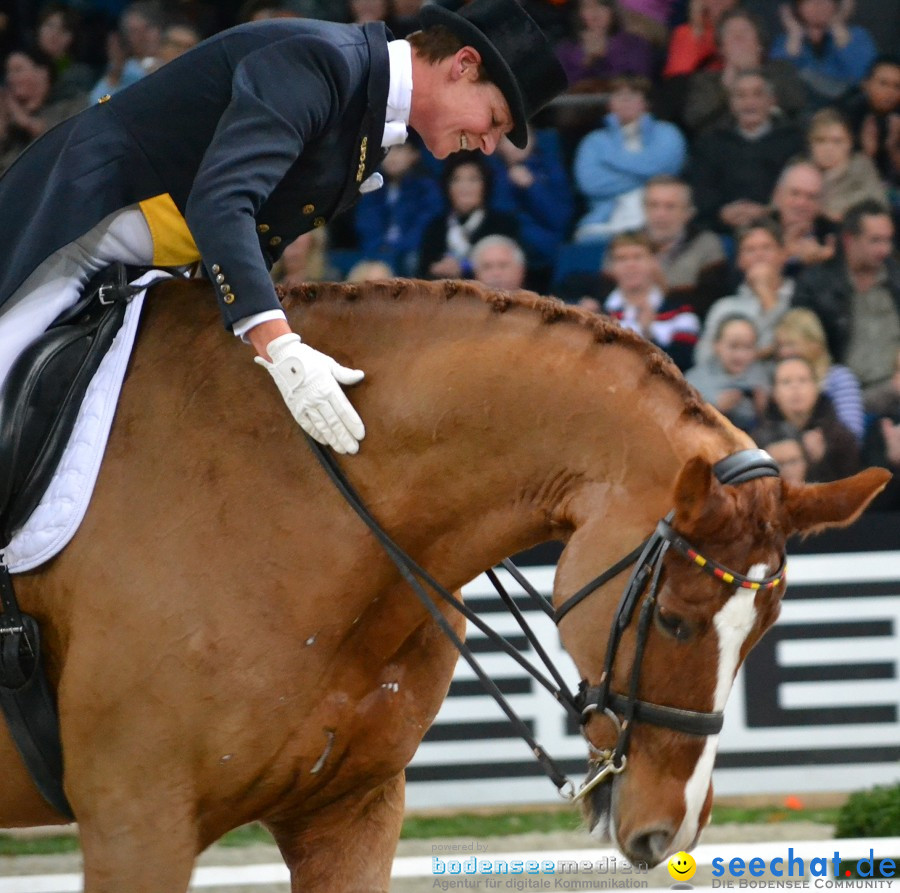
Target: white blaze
[733, 624]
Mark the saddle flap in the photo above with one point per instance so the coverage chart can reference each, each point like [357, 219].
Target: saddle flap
[39, 403]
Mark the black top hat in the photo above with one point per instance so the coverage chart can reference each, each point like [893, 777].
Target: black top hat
[516, 54]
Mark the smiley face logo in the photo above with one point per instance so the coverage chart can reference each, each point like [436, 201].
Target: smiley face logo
[682, 866]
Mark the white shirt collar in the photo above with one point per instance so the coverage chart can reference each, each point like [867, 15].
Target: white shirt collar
[616, 303]
[399, 93]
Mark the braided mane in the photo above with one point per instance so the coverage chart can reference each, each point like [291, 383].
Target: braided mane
[551, 310]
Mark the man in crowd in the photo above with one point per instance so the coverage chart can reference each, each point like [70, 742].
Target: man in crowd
[857, 297]
[639, 303]
[809, 236]
[734, 169]
[499, 262]
[692, 260]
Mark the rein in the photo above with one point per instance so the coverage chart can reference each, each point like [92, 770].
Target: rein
[647, 559]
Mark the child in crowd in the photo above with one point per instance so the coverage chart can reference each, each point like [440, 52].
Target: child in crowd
[733, 380]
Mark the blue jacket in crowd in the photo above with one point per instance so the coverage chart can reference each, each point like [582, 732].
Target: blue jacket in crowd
[606, 168]
[390, 220]
[545, 209]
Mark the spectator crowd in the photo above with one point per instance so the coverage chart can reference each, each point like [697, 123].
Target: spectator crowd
[723, 178]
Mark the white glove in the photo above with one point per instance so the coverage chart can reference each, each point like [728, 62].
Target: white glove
[309, 382]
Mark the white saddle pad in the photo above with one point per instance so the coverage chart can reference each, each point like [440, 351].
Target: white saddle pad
[62, 508]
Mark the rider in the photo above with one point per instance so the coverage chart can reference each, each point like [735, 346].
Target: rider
[231, 151]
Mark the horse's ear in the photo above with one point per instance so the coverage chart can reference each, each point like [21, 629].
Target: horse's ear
[813, 507]
[699, 497]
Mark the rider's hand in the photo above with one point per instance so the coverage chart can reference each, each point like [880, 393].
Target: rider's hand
[310, 383]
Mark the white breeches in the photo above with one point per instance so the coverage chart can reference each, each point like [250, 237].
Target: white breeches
[57, 283]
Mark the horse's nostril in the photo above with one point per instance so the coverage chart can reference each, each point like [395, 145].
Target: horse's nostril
[649, 846]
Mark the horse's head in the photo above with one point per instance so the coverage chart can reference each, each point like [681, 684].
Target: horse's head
[710, 588]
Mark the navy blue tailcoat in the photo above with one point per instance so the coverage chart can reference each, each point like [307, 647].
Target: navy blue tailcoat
[259, 134]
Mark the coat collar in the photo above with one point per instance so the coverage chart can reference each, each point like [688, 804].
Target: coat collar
[368, 152]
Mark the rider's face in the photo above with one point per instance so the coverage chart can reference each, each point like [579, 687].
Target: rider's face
[463, 112]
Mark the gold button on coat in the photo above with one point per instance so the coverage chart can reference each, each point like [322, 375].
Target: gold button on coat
[229, 298]
[275, 240]
[319, 221]
[263, 227]
[220, 277]
[104, 98]
[225, 288]
[216, 268]
[309, 209]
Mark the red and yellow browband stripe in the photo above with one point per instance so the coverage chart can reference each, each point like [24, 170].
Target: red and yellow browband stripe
[707, 565]
[730, 577]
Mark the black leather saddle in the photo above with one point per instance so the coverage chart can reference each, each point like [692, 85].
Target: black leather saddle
[41, 397]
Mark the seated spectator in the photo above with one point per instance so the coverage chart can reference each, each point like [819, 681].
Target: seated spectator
[856, 295]
[613, 164]
[390, 221]
[830, 55]
[692, 46]
[764, 296]
[533, 185]
[692, 260]
[56, 36]
[882, 443]
[499, 262]
[783, 443]
[874, 115]
[742, 47]
[848, 177]
[27, 108]
[448, 238]
[796, 398]
[369, 271]
[132, 49]
[638, 302]
[809, 236]
[601, 49]
[733, 380]
[799, 333]
[734, 169]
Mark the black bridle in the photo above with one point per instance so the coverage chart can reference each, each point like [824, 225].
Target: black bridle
[647, 559]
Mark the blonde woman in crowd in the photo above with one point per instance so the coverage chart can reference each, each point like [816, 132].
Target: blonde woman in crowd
[848, 177]
[800, 334]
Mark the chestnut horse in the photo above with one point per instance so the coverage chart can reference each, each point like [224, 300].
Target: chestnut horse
[229, 643]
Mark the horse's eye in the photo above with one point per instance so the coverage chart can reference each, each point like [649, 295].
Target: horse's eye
[673, 625]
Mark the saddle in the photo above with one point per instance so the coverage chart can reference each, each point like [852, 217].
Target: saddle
[39, 405]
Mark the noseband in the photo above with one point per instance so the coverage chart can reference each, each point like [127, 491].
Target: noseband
[745, 465]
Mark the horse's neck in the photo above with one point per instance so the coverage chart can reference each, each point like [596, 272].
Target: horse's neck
[481, 426]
